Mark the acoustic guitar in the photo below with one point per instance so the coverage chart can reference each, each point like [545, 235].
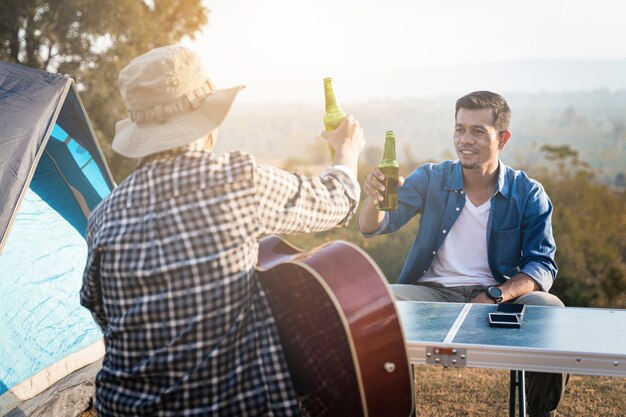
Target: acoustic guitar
[339, 328]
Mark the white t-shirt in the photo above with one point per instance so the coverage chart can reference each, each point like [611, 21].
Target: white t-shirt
[462, 258]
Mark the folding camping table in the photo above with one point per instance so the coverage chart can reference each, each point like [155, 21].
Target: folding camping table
[590, 341]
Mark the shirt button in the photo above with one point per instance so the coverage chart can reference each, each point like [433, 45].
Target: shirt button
[445, 231]
[434, 252]
[457, 209]
[462, 192]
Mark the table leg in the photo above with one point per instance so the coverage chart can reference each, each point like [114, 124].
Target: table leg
[414, 413]
[517, 380]
[512, 386]
[521, 396]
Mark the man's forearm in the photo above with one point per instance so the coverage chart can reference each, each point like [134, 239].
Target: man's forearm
[518, 285]
[370, 218]
[347, 158]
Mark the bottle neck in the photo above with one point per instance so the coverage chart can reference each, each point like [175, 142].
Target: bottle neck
[329, 94]
[390, 148]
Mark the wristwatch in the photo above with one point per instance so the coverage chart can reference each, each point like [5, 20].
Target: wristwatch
[495, 293]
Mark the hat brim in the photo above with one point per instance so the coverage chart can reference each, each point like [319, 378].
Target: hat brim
[135, 140]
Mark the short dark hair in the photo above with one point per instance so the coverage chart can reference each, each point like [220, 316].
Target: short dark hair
[487, 100]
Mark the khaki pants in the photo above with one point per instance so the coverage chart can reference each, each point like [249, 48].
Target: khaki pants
[544, 391]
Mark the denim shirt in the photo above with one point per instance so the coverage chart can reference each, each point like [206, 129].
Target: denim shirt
[519, 229]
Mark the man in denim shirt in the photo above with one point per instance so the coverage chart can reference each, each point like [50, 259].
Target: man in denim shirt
[485, 232]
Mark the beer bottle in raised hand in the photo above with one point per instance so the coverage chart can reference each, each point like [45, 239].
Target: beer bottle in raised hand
[390, 169]
[334, 113]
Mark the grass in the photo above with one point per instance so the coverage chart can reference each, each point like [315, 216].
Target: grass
[471, 392]
[485, 392]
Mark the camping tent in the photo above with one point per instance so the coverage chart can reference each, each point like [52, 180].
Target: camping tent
[52, 174]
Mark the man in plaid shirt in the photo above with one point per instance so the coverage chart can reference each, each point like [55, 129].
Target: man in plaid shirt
[170, 271]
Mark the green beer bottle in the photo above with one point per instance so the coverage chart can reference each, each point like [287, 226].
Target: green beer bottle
[334, 114]
[390, 169]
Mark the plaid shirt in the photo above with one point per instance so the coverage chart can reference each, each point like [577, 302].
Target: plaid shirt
[170, 279]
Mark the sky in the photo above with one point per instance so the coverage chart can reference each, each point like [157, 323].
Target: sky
[282, 49]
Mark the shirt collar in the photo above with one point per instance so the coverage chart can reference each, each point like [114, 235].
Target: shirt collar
[455, 182]
[503, 185]
[456, 179]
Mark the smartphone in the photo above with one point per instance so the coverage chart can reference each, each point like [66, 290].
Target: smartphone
[504, 320]
[511, 308]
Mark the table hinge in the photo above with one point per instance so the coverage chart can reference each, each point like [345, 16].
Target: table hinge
[446, 356]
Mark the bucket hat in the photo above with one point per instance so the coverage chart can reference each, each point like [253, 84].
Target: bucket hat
[171, 102]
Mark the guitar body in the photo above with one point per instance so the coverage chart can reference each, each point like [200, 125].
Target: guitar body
[338, 326]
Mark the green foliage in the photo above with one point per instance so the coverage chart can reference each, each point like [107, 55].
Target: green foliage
[72, 36]
[91, 41]
[589, 223]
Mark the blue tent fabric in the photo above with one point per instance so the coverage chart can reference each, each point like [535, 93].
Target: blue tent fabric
[52, 184]
[52, 174]
[28, 102]
[42, 267]
[33, 102]
[74, 120]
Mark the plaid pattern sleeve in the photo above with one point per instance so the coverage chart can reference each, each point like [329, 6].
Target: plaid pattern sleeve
[291, 202]
[90, 294]
[170, 279]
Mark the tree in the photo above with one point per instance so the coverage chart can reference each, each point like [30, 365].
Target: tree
[590, 231]
[91, 41]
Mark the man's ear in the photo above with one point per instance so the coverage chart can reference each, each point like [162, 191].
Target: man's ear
[503, 138]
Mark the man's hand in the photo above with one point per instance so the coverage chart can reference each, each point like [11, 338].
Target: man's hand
[482, 298]
[370, 218]
[374, 186]
[348, 142]
[514, 287]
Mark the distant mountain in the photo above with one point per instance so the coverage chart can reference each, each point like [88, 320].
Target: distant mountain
[527, 76]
